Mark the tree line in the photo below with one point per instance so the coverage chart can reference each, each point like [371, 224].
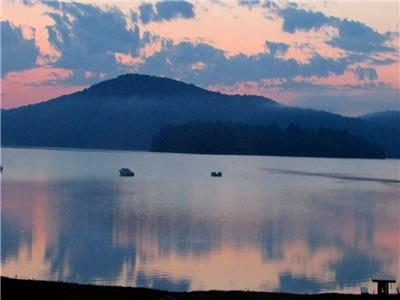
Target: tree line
[238, 138]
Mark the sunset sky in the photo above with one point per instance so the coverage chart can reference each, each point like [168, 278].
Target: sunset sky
[341, 57]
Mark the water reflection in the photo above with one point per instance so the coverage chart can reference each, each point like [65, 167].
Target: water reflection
[331, 175]
[248, 230]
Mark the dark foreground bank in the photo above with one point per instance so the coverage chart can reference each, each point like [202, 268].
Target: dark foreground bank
[32, 289]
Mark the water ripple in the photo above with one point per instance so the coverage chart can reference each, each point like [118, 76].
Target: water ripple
[330, 175]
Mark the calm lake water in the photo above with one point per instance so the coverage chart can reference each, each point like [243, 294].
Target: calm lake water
[270, 223]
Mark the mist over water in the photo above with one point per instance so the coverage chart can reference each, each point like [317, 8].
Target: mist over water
[270, 223]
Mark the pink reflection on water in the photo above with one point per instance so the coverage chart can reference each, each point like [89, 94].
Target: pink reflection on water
[223, 243]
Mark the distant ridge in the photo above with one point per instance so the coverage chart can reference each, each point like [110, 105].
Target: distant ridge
[128, 111]
[389, 118]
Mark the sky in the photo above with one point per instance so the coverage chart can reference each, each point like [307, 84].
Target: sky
[341, 57]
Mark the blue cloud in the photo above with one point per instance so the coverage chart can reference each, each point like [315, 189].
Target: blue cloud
[300, 284]
[277, 49]
[356, 36]
[88, 37]
[90, 20]
[178, 61]
[322, 66]
[355, 267]
[249, 3]
[299, 19]
[162, 282]
[382, 62]
[134, 16]
[352, 36]
[28, 2]
[17, 53]
[365, 73]
[270, 4]
[166, 10]
[147, 13]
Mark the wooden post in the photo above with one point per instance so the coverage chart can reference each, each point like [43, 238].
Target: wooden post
[383, 283]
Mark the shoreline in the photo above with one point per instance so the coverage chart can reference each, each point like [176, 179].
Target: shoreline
[181, 153]
[38, 289]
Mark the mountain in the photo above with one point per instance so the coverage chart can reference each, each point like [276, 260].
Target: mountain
[390, 118]
[128, 111]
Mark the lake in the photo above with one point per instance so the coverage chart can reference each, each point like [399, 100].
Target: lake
[269, 223]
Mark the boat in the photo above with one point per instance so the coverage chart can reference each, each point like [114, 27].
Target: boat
[125, 172]
[216, 174]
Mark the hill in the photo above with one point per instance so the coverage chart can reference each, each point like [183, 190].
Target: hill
[390, 118]
[128, 111]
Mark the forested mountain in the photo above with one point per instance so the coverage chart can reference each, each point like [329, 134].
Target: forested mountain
[128, 111]
[390, 118]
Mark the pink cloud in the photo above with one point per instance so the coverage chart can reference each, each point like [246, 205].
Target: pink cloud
[34, 85]
[390, 74]
[229, 27]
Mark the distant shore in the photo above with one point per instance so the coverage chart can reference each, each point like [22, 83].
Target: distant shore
[10, 147]
[71, 149]
[34, 289]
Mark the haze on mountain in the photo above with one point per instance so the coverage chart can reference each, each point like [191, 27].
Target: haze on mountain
[128, 111]
[389, 118]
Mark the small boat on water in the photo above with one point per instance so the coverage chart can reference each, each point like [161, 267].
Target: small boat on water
[216, 174]
[125, 172]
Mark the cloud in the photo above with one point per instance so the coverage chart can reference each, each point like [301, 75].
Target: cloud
[134, 16]
[300, 284]
[178, 61]
[162, 282]
[75, 34]
[17, 53]
[277, 49]
[249, 3]
[355, 267]
[88, 37]
[147, 13]
[323, 66]
[352, 36]
[168, 10]
[356, 36]
[382, 62]
[165, 11]
[28, 2]
[270, 4]
[365, 73]
[299, 19]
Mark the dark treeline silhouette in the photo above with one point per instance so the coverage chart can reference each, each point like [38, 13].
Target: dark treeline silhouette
[238, 138]
[389, 118]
